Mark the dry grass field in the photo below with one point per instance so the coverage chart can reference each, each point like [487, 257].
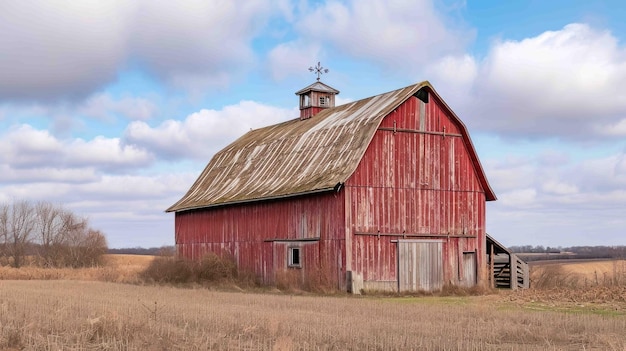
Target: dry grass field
[118, 268]
[91, 310]
[86, 315]
[563, 274]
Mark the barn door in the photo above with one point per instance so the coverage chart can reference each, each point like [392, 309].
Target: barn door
[468, 267]
[420, 265]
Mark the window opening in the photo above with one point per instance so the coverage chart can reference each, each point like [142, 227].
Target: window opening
[294, 257]
[306, 101]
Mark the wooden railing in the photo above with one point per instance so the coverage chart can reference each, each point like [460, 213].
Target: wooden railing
[509, 271]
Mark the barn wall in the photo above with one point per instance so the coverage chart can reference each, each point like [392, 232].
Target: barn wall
[416, 181]
[257, 235]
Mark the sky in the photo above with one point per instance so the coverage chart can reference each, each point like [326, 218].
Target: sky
[113, 108]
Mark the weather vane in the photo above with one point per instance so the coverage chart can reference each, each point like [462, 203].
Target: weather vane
[319, 70]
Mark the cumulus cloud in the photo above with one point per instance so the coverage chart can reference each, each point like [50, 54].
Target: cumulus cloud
[397, 32]
[193, 45]
[107, 153]
[54, 50]
[203, 133]
[102, 105]
[26, 148]
[563, 182]
[558, 203]
[290, 58]
[565, 83]
[46, 174]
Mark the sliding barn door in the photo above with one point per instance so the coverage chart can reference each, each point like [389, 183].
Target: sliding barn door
[420, 265]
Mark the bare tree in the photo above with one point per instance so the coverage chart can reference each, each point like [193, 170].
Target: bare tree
[4, 229]
[85, 246]
[57, 236]
[53, 223]
[21, 223]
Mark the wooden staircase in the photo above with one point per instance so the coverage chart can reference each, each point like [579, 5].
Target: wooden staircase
[506, 278]
[507, 271]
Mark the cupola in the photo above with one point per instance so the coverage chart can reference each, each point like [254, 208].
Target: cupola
[317, 96]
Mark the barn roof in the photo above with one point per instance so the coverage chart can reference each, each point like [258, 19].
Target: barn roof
[301, 156]
[318, 86]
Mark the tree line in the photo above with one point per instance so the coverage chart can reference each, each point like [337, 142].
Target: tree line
[48, 235]
[574, 252]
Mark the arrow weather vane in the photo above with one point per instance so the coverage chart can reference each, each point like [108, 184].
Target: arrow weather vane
[319, 70]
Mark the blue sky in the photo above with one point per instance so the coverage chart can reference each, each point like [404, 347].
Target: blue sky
[113, 108]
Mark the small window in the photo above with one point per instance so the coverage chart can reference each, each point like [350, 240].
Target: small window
[305, 101]
[295, 257]
[323, 100]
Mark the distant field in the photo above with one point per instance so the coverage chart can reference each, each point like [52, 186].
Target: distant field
[118, 268]
[580, 272]
[130, 263]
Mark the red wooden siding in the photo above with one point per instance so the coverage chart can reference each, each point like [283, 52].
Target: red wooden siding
[417, 180]
[258, 234]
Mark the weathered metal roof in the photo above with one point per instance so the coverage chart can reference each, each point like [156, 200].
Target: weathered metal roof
[295, 157]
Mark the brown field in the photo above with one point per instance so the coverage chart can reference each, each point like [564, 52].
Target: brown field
[71, 313]
[118, 268]
[579, 273]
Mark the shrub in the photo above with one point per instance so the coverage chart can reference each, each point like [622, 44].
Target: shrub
[168, 270]
[554, 276]
[210, 269]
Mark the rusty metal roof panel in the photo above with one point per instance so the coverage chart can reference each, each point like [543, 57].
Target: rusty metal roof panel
[293, 157]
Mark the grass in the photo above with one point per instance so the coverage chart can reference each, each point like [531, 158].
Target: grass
[117, 268]
[44, 315]
[91, 309]
[579, 274]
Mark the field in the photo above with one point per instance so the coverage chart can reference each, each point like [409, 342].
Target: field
[100, 314]
[578, 273]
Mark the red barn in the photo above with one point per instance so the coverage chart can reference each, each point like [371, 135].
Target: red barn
[384, 193]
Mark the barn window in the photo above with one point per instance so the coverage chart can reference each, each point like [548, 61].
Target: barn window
[305, 101]
[324, 100]
[294, 257]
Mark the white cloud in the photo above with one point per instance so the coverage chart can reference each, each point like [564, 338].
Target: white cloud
[559, 188]
[566, 84]
[35, 191]
[118, 187]
[203, 133]
[560, 203]
[521, 198]
[25, 147]
[291, 58]
[509, 173]
[103, 105]
[193, 44]
[617, 129]
[603, 174]
[54, 50]
[583, 181]
[107, 153]
[48, 174]
[458, 74]
[397, 32]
